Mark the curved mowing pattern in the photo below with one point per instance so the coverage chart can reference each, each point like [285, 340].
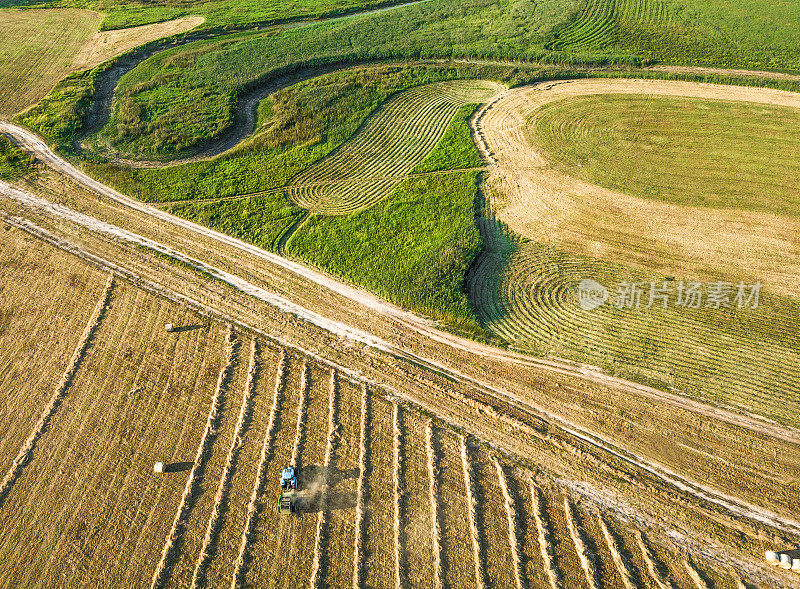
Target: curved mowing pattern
[383, 151]
[597, 25]
[527, 293]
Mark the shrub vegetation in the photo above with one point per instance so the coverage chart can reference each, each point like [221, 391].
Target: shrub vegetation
[14, 163]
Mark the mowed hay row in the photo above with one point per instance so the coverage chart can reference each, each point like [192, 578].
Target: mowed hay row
[529, 297]
[89, 509]
[564, 552]
[457, 529]
[538, 545]
[260, 567]
[595, 26]
[597, 548]
[388, 145]
[182, 549]
[493, 521]
[234, 509]
[289, 545]
[259, 481]
[378, 524]
[342, 476]
[46, 299]
[222, 496]
[417, 525]
[26, 451]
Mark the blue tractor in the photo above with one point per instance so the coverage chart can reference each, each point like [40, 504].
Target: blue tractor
[289, 478]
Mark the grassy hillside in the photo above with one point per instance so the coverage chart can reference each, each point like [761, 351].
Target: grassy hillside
[679, 150]
[13, 161]
[296, 127]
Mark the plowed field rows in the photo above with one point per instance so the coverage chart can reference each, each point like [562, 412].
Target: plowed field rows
[385, 149]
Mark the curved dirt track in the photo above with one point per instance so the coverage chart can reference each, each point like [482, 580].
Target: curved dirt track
[544, 204]
[31, 143]
[244, 115]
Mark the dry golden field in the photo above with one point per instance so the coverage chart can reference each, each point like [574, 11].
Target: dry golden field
[389, 497]
[40, 47]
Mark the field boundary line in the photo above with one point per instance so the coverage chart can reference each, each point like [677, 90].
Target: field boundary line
[162, 569]
[221, 498]
[321, 541]
[472, 504]
[237, 580]
[26, 451]
[363, 467]
[436, 528]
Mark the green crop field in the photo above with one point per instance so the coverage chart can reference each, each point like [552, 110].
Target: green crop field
[679, 150]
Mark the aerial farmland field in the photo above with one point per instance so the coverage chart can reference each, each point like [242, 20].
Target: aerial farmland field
[399, 294]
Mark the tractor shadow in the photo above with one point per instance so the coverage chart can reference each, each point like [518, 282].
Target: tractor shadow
[183, 328]
[317, 492]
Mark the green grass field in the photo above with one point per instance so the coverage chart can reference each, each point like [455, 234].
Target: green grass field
[296, 127]
[427, 222]
[679, 150]
[413, 248]
[219, 14]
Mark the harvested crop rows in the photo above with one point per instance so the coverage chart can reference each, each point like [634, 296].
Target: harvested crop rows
[385, 149]
[596, 24]
[388, 496]
[36, 50]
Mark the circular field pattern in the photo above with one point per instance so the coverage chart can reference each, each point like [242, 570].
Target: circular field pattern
[393, 140]
[746, 358]
[679, 150]
[548, 228]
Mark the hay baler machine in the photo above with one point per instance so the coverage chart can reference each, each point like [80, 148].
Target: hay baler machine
[287, 503]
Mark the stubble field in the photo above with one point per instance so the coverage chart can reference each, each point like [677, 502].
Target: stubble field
[389, 495]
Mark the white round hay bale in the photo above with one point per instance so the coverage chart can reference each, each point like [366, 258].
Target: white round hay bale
[169, 327]
[796, 564]
[158, 467]
[786, 561]
[772, 557]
